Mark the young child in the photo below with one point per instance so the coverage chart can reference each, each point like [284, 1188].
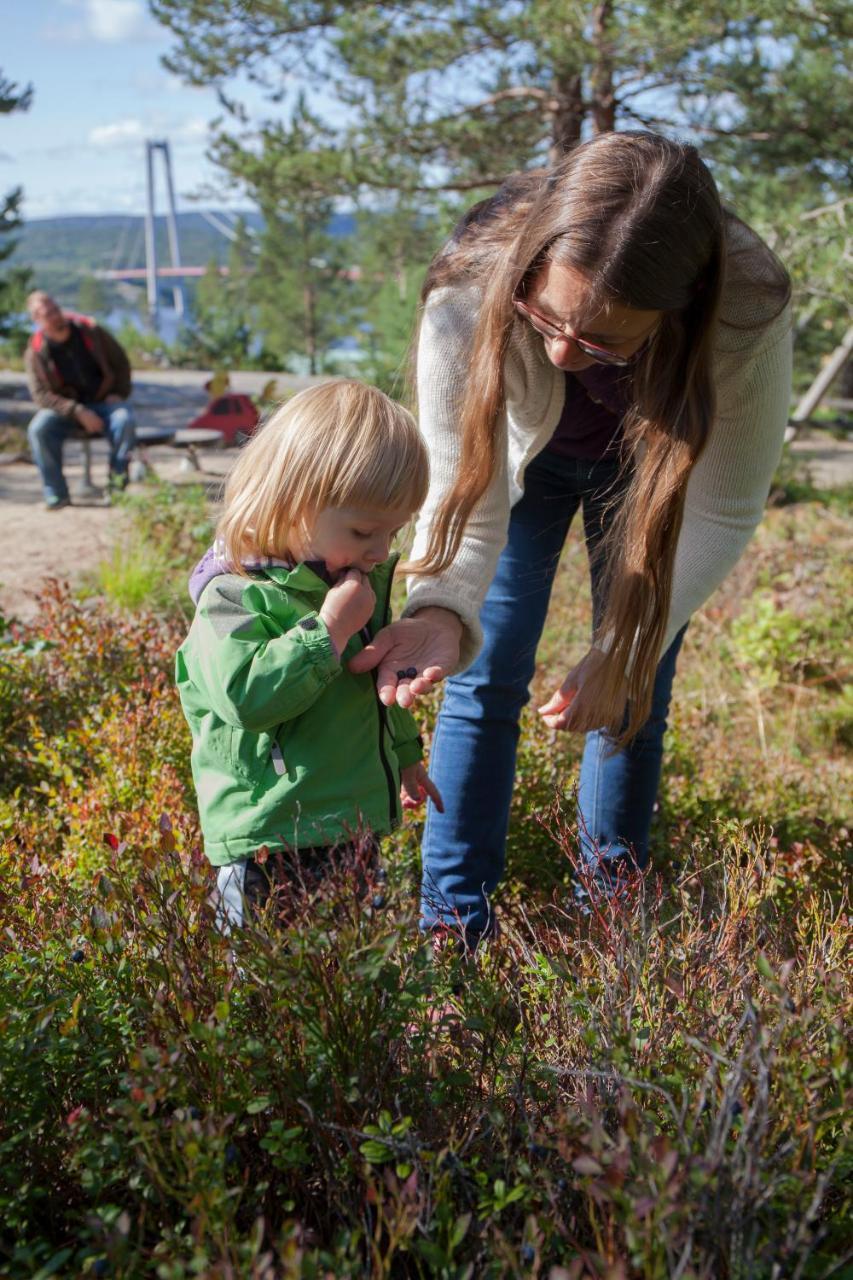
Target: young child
[291, 750]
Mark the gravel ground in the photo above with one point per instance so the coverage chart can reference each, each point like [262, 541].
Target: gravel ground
[38, 543]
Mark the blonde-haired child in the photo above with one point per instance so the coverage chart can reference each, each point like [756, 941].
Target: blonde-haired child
[292, 751]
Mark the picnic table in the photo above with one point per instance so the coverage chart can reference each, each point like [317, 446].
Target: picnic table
[194, 438]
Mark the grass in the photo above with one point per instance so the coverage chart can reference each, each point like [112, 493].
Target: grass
[164, 528]
[657, 1091]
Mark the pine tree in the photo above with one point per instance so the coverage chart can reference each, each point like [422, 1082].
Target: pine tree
[456, 93]
[393, 246]
[431, 97]
[16, 281]
[300, 286]
[92, 296]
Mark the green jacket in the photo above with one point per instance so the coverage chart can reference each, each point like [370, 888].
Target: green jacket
[289, 747]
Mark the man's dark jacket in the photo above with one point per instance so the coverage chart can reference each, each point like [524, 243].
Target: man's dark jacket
[45, 382]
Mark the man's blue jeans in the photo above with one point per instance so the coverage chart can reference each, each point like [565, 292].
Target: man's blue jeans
[474, 748]
[48, 432]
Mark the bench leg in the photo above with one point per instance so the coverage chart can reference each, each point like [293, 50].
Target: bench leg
[191, 462]
[86, 489]
[140, 464]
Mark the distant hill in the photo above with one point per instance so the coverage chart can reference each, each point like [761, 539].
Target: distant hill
[63, 251]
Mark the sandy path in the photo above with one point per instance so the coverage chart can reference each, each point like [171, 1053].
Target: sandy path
[38, 543]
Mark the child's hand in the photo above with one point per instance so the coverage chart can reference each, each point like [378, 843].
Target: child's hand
[416, 785]
[348, 607]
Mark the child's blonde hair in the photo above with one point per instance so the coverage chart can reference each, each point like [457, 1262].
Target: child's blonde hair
[339, 444]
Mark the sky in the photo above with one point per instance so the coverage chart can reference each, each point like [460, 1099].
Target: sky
[99, 91]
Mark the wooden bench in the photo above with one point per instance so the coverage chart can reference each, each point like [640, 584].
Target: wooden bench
[189, 440]
[145, 437]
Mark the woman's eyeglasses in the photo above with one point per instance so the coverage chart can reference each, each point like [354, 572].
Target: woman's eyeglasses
[549, 329]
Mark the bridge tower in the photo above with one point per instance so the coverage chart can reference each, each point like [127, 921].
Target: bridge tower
[151, 146]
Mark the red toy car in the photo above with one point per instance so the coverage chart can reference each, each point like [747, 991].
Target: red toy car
[232, 414]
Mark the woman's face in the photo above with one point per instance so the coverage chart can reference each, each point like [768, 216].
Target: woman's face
[559, 294]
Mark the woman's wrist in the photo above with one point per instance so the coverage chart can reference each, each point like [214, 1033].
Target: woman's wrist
[446, 618]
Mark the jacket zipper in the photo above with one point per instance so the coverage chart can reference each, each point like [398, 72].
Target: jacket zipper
[382, 710]
[382, 715]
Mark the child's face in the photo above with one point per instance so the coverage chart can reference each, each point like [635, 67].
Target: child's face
[350, 537]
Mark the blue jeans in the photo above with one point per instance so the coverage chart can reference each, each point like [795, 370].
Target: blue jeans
[474, 748]
[48, 432]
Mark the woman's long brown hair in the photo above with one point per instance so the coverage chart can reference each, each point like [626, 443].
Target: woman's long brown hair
[640, 218]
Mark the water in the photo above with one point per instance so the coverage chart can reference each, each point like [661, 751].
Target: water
[169, 323]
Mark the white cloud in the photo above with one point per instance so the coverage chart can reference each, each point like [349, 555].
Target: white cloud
[120, 134]
[64, 33]
[191, 131]
[85, 200]
[133, 131]
[115, 20]
[154, 84]
[104, 22]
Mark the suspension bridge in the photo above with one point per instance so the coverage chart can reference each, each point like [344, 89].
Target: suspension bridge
[175, 272]
[153, 272]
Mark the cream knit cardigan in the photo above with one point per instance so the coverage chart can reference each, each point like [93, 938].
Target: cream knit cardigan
[726, 491]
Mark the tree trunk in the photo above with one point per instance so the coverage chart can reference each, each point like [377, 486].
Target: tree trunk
[400, 271]
[603, 104]
[824, 379]
[310, 312]
[567, 115]
[309, 303]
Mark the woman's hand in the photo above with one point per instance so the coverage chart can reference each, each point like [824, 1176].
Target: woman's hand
[572, 706]
[426, 644]
[416, 785]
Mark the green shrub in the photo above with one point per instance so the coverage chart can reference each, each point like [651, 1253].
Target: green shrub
[664, 1084]
[655, 1090]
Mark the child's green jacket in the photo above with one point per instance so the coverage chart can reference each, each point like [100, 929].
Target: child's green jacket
[289, 747]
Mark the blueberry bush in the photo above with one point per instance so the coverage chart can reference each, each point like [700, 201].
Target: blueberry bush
[655, 1089]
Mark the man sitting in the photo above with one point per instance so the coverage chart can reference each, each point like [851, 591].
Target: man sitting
[79, 376]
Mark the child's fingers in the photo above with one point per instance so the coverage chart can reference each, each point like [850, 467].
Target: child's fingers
[410, 792]
[415, 788]
[433, 793]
